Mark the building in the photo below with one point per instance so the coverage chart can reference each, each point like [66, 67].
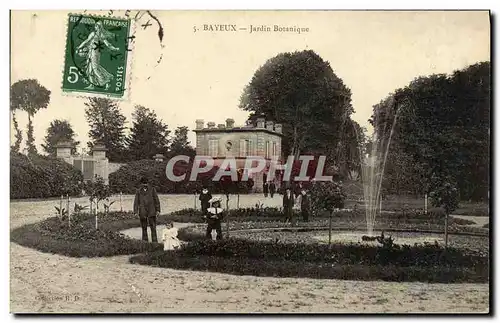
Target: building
[230, 141]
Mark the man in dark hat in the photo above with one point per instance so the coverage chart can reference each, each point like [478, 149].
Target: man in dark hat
[204, 198]
[265, 188]
[147, 208]
[272, 189]
[288, 203]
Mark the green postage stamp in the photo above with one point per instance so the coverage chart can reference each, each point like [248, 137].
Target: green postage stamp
[97, 56]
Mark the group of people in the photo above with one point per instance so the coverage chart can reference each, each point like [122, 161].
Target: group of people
[147, 208]
[296, 202]
[269, 188]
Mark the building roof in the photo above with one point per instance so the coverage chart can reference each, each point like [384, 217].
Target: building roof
[239, 129]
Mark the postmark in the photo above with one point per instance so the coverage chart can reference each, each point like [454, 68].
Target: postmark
[97, 56]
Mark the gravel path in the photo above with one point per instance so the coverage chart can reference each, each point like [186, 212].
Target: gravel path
[51, 283]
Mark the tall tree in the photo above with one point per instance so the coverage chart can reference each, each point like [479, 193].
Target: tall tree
[441, 129]
[107, 125]
[19, 133]
[148, 135]
[29, 96]
[180, 144]
[59, 130]
[301, 91]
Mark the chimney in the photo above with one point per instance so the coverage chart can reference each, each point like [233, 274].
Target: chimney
[221, 126]
[200, 123]
[229, 123]
[159, 157]
[211, 125]
[278, 128]
[99, 151]
[270, 125]
[63, 149]
[261, 122]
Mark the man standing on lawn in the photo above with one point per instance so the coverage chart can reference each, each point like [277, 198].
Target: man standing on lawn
[147, 208]
[288, 203]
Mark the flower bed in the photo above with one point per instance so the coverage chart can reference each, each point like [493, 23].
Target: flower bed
[82, 239]
[426, 263]
[273, 214]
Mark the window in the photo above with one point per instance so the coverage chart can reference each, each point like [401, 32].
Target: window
[213, 146]
[275, 151]
[268, 152]
[243, 148]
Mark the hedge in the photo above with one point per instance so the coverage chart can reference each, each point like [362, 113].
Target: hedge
[42, 177]
[126, 178]
[426, 263]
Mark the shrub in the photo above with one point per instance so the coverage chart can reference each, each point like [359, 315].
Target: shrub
[127, 177]
[326, 196]
[97, 190]
[445, 196]
[427, 263]
[41, 177]
[341, 254]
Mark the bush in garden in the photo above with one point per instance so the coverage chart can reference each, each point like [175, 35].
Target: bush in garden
[326, 196]
[445, 196]
[97, 190]
[42, 177]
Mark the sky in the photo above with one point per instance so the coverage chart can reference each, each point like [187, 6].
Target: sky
[202, 74]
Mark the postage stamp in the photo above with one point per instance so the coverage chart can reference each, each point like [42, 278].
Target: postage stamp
[96, 56]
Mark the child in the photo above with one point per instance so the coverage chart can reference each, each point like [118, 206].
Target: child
[214, 218]
[169, 237]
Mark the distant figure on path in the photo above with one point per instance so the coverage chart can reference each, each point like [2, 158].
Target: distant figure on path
[266, 189]
[147, 208]
[288, 203]
[214, 217]
[272, 189]
[305, 205]
[169, 237]
[204, 198]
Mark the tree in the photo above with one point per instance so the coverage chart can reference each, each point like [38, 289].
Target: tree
[445, 195]
[326, 196]
[180, 144]
[148, 136]
[29, 96]
[58, 131]
[107, 125]
[300, 91]
[438, 125]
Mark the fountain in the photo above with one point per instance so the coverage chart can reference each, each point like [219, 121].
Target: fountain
[372, 172]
